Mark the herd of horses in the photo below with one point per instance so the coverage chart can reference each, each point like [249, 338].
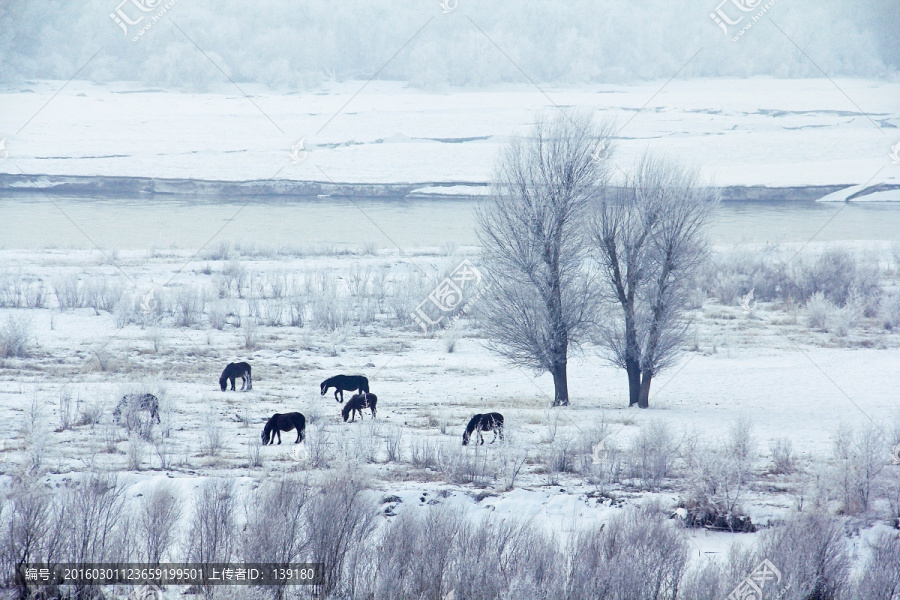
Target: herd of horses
[362, 400]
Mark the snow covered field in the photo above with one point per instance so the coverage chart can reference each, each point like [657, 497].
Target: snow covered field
[766, 366]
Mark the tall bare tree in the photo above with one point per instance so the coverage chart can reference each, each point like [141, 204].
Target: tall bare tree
[539, 297]
[648, 239]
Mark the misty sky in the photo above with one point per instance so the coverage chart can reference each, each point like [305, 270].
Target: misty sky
[296, 45]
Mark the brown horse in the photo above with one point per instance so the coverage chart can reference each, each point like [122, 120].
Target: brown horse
[357, 403]
[486, 422]
[284, 422]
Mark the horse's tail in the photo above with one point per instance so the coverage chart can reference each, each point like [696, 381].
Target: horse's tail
[365, 385]
[301, 427]
[249, 378]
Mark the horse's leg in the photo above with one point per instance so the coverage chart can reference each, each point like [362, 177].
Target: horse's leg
[278, 431]
[243, 382]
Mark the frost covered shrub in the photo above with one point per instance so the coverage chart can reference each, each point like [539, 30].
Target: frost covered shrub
[890, 311]
[188, 307]
[880, 577]
[720, 477]
[15, 337]
[812, 554]
[602, 561]
[824, 315]
[101, 294]
[783, 459]
[858, 458]
[731, 275]
[340, 521]
[213, 531]
[652, 454]
[839, 275]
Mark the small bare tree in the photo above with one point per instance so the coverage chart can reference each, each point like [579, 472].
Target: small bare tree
[157, 523]
[539, 297]
[648, 240]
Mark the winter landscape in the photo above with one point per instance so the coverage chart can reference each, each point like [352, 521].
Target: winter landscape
[662, 240]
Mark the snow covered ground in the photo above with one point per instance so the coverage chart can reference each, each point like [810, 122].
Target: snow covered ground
[767, 366]
[747, 132]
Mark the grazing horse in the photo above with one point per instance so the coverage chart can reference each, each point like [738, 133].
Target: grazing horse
[232, 372]
[284, 422]
[345, 383]
[357, 403]
[131, 403]
[486, 422]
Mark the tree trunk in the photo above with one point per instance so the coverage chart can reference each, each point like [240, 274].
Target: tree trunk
[644, 398]
[633, 368]
[560, 386]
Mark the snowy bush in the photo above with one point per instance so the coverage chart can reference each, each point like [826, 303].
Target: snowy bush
[158, 516]
[602, 561]
[652, 454]
[15, 337]
[812, 554]
[858, 458]
[783, 459]
[890, 311]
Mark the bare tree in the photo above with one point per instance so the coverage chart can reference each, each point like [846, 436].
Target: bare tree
[158, 517]
[539, 297]
[648, 240]
[286, 543]
[213, 530]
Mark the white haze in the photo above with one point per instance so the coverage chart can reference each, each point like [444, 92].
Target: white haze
[295, 45]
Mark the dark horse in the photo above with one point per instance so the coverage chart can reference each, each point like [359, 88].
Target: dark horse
[357, 403]
[232, 372]
[487, 422]
[132, 403]
[284, 422]
[345, 383]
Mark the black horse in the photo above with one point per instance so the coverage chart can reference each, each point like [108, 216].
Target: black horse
[131, 403]
[357, 403]
[284, 422]
[487, 422]
[232, 372]
[345, 383]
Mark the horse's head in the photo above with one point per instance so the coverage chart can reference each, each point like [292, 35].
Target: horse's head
[324, 387]
[466, 438]
[223, 382]
[345, 412]
[267, 430]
